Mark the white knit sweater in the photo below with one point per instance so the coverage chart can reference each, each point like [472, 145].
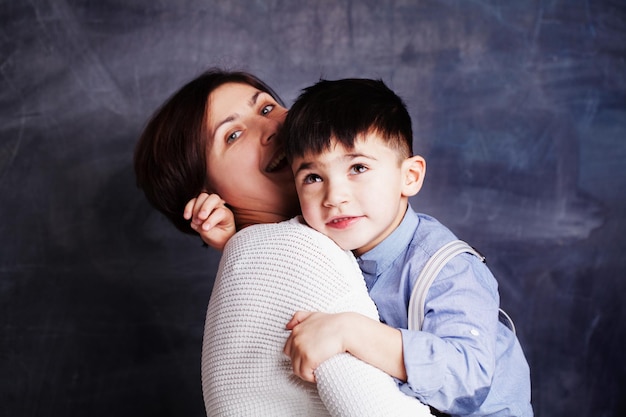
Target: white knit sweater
[268, 272]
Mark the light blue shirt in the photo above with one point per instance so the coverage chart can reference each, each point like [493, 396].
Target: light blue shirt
[464, 361]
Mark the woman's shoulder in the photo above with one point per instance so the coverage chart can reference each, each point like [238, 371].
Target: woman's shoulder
[283, 233]
[288, 239]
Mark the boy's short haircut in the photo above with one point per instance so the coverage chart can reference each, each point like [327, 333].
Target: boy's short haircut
[343, 109]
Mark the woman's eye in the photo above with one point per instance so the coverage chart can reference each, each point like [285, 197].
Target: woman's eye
[312, 178]
[266, 109]
[358, 169]
[233, 136]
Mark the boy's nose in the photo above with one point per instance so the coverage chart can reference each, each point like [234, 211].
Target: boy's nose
[336, 195]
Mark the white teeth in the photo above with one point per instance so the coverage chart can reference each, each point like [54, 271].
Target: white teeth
[279, 158]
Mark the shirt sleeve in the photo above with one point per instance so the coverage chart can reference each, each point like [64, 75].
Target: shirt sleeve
[451, 362]
[267, 273]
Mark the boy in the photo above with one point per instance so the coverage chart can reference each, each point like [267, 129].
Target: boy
[349, 143]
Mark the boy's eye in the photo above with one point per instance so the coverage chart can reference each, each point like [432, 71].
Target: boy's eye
[311, 178]
[358, 169]
[233, 136]
[266, 109]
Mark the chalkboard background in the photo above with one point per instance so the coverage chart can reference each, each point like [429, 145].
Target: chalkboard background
[519, 108]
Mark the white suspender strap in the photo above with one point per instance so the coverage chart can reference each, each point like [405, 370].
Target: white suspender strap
[428, 275]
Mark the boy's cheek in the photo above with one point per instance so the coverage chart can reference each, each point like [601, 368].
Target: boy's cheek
[307, 199]
[311, 216]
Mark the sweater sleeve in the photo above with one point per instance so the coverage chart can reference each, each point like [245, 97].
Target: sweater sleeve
[266, 273]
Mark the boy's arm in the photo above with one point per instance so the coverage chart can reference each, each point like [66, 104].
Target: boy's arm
[454, 356]
[209, 216]
[317, 336]
[257, 286]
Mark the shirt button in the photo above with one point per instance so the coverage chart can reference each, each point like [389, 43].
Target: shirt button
[474, 332]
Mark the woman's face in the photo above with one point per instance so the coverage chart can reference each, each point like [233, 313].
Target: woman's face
[246, 165]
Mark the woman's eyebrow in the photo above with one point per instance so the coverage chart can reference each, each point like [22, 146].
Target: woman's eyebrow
[223, 122]
[254, 99]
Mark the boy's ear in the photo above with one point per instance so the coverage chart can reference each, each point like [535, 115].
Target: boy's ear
[413, 171]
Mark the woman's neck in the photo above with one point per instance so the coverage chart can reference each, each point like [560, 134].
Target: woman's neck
[245, 218]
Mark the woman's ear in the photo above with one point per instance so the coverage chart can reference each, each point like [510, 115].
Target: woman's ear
[413, 171]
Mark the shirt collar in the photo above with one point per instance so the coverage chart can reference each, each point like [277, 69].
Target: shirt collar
[394, 245]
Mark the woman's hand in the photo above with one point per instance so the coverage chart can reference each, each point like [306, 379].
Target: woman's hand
[210, 217]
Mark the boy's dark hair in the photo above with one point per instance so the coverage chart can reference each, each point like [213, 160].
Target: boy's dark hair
[169, 159]
[343, 109]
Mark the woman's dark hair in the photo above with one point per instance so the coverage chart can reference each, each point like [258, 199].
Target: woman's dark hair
[170, 157]
[343, 109]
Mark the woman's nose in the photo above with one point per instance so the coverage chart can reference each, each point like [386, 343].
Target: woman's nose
[267, 129]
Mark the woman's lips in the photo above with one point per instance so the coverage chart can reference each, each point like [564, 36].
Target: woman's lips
[277, 163]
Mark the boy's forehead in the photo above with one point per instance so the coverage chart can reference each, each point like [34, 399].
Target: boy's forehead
[359, 139]
[336, 146]
[371, 137]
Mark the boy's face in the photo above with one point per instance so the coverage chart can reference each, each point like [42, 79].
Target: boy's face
[357, 197]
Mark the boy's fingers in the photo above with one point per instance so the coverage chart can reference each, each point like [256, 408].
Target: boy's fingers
[202, 208]
[308, 375]
[298, 365]
[287, 347]
[215, 218]
[209, 204]
[193, 206]
[302, 371]
[188, 211]
[298, 318]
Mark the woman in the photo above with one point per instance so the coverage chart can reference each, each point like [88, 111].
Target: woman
[217, 136]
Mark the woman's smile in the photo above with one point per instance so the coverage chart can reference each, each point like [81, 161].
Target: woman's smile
[244, 159]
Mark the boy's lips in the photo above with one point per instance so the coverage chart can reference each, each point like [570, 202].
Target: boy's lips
[342, 222]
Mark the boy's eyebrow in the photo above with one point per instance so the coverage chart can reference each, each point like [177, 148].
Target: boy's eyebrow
[303, 166]
[308, 165]
[358, 154]
[251, 103]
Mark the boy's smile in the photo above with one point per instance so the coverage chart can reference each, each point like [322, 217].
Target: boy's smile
[343, 222]
[356, 196]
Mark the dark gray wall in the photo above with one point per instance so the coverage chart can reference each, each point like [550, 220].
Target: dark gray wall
[519, 108]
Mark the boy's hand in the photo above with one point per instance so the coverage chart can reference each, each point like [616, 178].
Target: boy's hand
[211, 219]
[314, 338]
